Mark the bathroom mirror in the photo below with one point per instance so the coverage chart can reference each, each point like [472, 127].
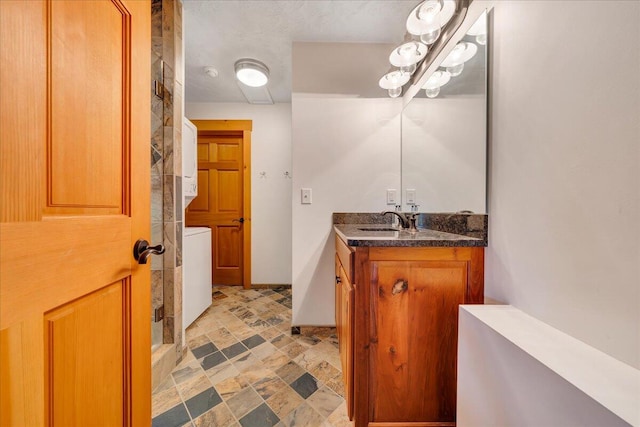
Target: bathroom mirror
[444, 137]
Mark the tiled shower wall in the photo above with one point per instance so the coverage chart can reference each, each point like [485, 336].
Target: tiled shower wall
[166, 167]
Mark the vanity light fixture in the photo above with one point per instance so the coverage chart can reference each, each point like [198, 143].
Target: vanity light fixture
[407, 55]
[427, 19]
[454, 63]
[435, 82]
[251, 72]
[393, 82]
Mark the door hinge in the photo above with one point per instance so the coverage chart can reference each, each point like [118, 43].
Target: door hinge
[158, 313]
[158, 89]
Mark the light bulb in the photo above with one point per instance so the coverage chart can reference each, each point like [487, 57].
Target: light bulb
[456, 70]
[395, 92]
[407, 51]
[457, 52]
[432, 92]
[428, 15]
[479, 29]
[426, 19]
[429, 9]
[437, 79]
[431, 36]
[461, 53]
[408, 68]
[408, 54]
[393, 82]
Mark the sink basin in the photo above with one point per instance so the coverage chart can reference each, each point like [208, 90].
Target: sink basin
[378, 229]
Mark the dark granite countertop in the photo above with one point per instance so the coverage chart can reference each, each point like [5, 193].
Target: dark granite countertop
[353, 235]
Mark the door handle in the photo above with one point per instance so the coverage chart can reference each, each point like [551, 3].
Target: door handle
[142, 250]
[240, 220]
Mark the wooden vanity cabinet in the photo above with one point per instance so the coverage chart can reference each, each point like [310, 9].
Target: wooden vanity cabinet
[403, 330]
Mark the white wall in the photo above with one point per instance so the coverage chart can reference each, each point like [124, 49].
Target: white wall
[347, 150]
[564, 203]
[444, 153]
[271, 195]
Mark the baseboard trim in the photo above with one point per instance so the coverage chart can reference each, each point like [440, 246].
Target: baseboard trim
[270, 285]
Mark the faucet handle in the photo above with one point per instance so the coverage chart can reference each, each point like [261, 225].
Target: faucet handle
[412, 217]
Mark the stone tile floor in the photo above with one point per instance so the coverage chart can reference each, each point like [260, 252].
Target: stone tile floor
[244, 368]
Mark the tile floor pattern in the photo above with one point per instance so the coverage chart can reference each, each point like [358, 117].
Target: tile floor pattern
[244, 368]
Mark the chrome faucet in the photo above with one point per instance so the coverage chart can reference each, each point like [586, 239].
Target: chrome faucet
[406, 222]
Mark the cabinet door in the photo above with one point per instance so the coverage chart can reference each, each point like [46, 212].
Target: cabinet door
[414, 339]
[346, 342]
[338, 300]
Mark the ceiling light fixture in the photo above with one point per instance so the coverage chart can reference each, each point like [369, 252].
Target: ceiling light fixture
[454, 63]
[407, 55]
[251, 72]
[393, 82]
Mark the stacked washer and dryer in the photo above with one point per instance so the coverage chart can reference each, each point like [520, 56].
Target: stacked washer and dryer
[196, 241]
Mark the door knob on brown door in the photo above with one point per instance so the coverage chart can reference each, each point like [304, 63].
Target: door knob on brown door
[142, 250]
[240, 220]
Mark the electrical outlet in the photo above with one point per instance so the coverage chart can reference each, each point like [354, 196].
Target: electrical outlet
[411, 196]
[305, 195]
[391, 196]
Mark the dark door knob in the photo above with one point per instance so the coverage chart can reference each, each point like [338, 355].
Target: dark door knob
[240, 220]
[142, 250]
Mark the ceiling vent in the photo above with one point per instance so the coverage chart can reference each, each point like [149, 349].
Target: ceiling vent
[256, 95]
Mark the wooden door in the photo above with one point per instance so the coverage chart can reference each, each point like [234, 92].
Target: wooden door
[74, 197]
[414, 339]
[224, 195]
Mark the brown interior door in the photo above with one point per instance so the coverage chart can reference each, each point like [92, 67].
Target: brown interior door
[222, 201]
[74, 197]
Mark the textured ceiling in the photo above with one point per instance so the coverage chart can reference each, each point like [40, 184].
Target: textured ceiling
[217, 33]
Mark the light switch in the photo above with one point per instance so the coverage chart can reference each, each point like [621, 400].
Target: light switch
[391, 196]
[411, 196]
[305, 195]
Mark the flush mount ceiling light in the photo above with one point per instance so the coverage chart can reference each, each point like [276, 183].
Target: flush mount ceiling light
[427, 19]
[435, 82]
[454, 63]
[407, 55]
[393, 82]
[251, 72]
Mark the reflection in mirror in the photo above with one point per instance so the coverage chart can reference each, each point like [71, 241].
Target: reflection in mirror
[444, 130]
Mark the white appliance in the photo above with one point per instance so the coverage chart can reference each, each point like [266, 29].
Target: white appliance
[196, 273]
[189, 162]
